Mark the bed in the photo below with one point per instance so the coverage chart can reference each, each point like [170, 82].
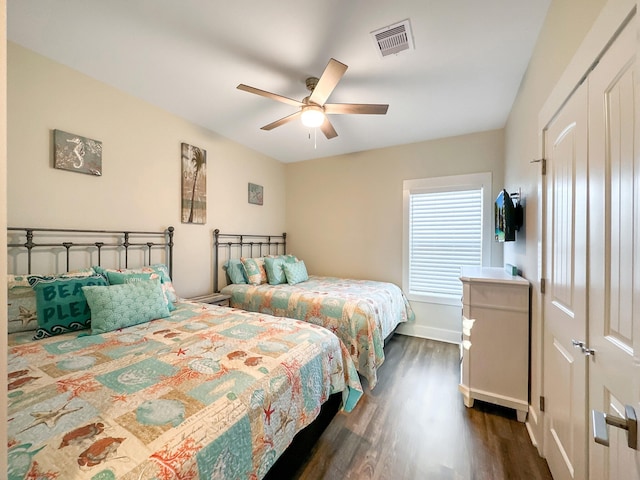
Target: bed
[362, 313]
[203, 392]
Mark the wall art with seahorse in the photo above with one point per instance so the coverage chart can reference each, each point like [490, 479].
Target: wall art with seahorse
[77, 153]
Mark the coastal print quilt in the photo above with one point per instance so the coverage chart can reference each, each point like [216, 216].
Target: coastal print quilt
[362, 313]
[208, 393]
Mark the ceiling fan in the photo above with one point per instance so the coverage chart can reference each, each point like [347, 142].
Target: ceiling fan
[313, 110]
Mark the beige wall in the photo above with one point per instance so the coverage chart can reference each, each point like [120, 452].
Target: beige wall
[566, 25]
[3, 226]
[344, 213]
[140, 185]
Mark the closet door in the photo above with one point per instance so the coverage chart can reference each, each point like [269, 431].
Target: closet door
[614, 236]
[565, 373]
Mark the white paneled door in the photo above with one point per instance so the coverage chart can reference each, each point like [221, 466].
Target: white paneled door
[565, 301]
[592, 267]
[614, 253]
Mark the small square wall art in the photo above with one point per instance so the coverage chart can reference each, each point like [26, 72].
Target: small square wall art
[256, 194]
[194, 184]
[76, 153]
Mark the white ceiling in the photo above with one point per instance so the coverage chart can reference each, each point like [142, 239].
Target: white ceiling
[188, 56]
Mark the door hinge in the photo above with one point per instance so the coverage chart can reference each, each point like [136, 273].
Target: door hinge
[543, 164]
[543, 285]
[541, 403]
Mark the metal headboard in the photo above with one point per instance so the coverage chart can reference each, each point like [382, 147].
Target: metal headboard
[244, 246]
[122, 240]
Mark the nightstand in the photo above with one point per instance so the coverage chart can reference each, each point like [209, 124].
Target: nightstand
[212, 298]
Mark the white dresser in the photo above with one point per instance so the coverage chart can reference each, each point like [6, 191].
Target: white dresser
[495, 349]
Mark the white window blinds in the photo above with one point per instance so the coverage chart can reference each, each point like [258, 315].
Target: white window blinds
[445, 233]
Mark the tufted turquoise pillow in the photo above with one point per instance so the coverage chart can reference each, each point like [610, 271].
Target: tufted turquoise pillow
[124, 305]
[295, 272]
[60, 303]
[235, 270]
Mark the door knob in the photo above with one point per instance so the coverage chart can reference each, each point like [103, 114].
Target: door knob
[629, 423]
[588, 352]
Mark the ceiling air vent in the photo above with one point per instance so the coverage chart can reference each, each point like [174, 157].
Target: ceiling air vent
[393, 39]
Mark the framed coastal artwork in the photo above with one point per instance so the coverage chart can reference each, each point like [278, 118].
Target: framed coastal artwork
[256, 194]
[194, 184]
[77, 153]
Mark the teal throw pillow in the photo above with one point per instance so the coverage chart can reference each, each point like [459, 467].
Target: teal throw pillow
[21, 299]
[295, 272]
[235, 271]
[124, 305]
[118, 278]
[22, 310]
[167, 284]
[119, 275]
[275, 270]
[60, 303]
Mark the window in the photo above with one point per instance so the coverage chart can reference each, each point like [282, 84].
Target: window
[446, 221]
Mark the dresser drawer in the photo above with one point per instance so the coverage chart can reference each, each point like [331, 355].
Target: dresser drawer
[510, 297]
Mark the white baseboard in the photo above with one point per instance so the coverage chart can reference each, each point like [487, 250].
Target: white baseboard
[532, 437]
[432, 333]
[533, 428]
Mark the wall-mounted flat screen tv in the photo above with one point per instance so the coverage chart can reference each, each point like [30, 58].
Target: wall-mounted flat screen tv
[508, 217]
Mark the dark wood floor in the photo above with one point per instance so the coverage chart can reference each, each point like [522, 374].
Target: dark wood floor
[413, 425]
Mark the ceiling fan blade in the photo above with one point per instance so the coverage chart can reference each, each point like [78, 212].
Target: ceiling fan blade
[356, 108]
[328, 81]
[328, 129]
[270, 95]
[282, 121]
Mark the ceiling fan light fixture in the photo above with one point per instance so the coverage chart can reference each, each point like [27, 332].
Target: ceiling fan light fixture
[312, 116]
[314, 108]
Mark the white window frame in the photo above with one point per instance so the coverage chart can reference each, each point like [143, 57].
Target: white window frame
[454, 182]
